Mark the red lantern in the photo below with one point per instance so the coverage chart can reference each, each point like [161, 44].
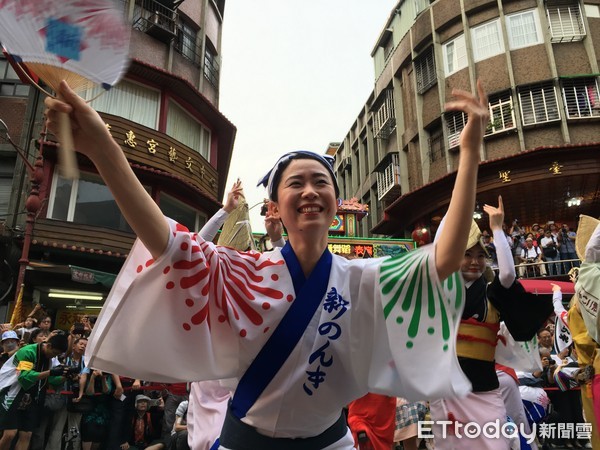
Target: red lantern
[421, 235]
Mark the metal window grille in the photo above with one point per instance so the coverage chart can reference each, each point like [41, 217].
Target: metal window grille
[455, 123]
[385, 117]
[187, 43]
[425, 70]
[389, 177]
[211, 67]
[436, 146]
[581, 97]
[502, 116]
[155, 19]
[538, 104]
[565, 19]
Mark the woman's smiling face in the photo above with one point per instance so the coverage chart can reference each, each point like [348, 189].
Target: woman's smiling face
[473, 263]
[306, 197]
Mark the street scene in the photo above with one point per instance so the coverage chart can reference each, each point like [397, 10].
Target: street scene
[330, 225]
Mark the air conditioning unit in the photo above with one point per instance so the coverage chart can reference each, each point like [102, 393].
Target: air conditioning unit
[161, 27]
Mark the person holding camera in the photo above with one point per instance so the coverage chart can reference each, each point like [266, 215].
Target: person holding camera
[75, 365]
[517, 235]
[24, 379]
[550, 249]
[568, 255]
[531, 254]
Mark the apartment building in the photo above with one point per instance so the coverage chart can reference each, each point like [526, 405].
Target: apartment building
[538, 61]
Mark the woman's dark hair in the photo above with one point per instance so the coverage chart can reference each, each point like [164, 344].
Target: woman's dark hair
[34, 334]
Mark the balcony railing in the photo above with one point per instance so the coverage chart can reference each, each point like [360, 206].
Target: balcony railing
[545, 269]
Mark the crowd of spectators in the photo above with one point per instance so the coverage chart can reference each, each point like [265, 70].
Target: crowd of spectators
[538, 251]
[70, 406]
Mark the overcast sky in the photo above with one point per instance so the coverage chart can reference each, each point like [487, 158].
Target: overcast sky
[294, 75]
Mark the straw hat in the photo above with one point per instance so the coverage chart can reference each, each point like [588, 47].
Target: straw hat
[236, 232]
[586, 227]
[474, 235]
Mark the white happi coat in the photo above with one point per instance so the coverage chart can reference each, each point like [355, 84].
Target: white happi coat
[200, 311]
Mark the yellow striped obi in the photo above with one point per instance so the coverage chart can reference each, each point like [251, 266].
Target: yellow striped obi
[477, 340]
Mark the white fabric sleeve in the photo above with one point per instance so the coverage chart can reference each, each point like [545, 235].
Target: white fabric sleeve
[210, 228]
[559, 308]
[506, 264]
[198, 297]
[278, 243]
[592, 249]
[415, 321]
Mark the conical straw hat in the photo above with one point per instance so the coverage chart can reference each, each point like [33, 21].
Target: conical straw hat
[586, 227]
[236, 231]
[474, 235]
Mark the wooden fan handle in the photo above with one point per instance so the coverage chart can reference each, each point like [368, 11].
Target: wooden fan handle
[66, 152]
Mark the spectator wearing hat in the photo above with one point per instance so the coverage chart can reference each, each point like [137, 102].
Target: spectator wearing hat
[144, 427]
[10, 345]
[530, 254]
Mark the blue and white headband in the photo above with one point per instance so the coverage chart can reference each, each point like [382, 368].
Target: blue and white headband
[273, 176]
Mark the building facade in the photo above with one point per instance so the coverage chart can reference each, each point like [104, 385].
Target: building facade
[66, 242]
[538, 60]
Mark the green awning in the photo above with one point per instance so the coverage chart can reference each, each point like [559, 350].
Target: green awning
[90, 276]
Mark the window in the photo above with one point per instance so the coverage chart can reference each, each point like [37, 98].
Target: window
[523, 29]
[129, 100]
[10, 84]
[187, 130]
[455, 55]
[436, 145]
[487, 40]
[388, 47]
[581, 97]
[455, 123]
[425, 70]
[211, 66]
[538, 103]
[420, 5]
[7, 171]
[182, 213]
[187, 42]
[502, 115]
[385, 117]
[592, 11]
[566, 23]
[87, 201]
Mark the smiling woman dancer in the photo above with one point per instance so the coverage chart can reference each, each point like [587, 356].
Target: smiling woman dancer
[303, 330]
